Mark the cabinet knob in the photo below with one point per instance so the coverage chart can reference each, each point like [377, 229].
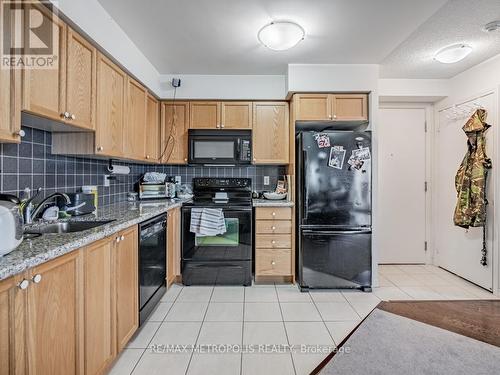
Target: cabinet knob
[330, 117]
[147, 156]
[185, 160]
[273, 242]
[273, 263]
[274, 213]
[117, 239]
[37, 278]
[100, 148]
[24, 284]
[73, 116]
[122, 238]
[217, 126]
[65, 115]
[273, 228]
[222, 126]
[20, 133]
[334, 116]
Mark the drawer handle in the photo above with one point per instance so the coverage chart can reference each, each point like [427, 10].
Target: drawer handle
[274, 213]
[24, 284]
[273, 263]
[273, 228]
[37, 278]
[273, 242]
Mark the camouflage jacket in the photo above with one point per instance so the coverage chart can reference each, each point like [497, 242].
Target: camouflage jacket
[470, 180]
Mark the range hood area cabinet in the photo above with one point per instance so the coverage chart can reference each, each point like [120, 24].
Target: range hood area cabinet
[220, 115]
[330, 107]
[67, 92]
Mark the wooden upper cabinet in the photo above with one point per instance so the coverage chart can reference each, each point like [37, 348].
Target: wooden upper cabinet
[135, 122]
[350, 107]
[152, 129]
[44, 90]
[236, 115]
[330, 107]
[270, 135]
[204, 115]
[12, 327]
[100, 348]
[174, 132]
[55, 317]
[10, 122]
[81, 81]
[111, 93]
[310, 107]
[127, 286]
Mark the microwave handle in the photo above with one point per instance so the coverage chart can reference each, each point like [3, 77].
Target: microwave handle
[238, 148]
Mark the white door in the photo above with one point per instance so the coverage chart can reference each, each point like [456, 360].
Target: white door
[401, 190]
[459, 250]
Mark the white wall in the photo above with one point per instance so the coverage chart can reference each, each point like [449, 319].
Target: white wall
[413, 90]
[93, 19]
[482, 80]
[257, 87]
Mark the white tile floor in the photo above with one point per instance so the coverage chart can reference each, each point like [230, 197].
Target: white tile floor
[270, 315]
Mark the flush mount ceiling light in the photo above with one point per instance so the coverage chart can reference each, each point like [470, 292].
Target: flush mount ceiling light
[492, 26]
[281, 35]
[453, 53]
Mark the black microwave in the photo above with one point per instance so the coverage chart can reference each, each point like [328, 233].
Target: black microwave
[220, 147]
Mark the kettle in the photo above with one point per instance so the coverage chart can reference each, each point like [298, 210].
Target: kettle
[11, 223]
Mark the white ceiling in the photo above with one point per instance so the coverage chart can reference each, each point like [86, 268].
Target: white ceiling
[458, 21]
[220, 36]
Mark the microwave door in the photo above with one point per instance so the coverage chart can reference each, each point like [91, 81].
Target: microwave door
[213, 151]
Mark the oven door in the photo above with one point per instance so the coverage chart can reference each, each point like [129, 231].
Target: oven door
[234, 245]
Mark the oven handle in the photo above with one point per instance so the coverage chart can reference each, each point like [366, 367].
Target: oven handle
[214, 265]
[249, 209]
[335, 232]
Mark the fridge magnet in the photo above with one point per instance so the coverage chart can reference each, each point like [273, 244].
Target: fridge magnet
[337, 157]
[362, 153]
[322, 139]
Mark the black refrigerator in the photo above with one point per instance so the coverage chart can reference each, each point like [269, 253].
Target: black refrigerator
[334, 208]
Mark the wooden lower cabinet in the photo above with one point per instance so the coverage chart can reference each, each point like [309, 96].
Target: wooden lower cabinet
[173, 245]
[55, 317]
[100, 347]
[126, 286]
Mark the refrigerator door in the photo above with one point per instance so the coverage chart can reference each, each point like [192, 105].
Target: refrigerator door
[333, 197]
[335, 259]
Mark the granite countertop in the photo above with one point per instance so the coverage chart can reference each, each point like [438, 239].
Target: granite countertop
[272, 203]
[38, 250]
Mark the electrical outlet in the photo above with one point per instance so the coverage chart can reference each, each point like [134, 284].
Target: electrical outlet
[266, 180]
[178, 179]
[106, 180]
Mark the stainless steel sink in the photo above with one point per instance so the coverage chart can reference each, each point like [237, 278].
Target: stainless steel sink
[65, 227]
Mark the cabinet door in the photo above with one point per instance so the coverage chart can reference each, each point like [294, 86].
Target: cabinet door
[127, 286]
[174, 132]
[99, 312]
[310, 107]
[270, 133]
[44, 90]
[350, 107]
[236, 115]
[55, 317]
[12, 328]
[10, 123]
[204, 115]
[173, 245]
[111, 83]
[152, 129]
[135, 123]
[81, 81]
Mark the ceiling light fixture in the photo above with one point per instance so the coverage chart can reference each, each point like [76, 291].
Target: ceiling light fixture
[492, 26]
[281, 35]
[453, 53]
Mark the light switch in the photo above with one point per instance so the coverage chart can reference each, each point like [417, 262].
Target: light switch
[266, 180]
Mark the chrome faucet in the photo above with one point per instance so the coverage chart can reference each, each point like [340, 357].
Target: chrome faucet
[30, 215]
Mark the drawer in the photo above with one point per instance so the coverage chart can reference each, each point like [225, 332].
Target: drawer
[273, 226]
[273, 213]
[273, 262]
[273, 241]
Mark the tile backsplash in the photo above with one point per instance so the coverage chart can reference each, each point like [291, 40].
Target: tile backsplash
[31, 164]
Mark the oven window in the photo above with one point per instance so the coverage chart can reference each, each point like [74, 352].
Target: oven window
[230, 238]
[214, 149]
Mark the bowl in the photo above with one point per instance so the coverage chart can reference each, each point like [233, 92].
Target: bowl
[274, 196]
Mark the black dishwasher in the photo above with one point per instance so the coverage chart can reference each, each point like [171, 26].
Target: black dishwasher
[152, 264]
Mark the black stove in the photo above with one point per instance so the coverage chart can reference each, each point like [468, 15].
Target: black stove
[226, 258]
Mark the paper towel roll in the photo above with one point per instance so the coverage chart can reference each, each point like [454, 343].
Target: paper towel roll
[119, 169]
